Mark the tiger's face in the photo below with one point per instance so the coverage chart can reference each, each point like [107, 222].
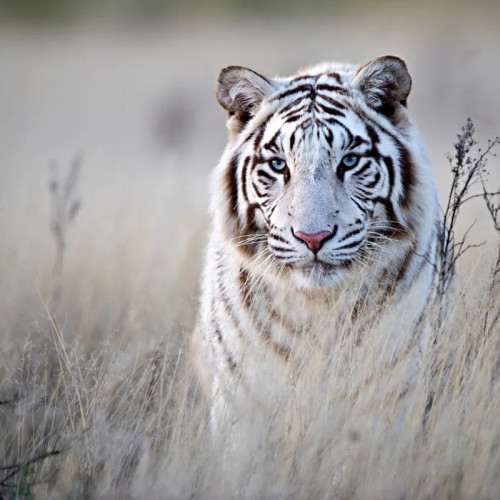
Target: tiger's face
[315, 179]
[316, 187]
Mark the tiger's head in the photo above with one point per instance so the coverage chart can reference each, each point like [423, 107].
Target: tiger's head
[319, 173]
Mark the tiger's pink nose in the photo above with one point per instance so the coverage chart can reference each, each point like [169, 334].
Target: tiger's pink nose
[313, 241]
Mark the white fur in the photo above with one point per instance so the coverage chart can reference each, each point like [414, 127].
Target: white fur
[304, 304]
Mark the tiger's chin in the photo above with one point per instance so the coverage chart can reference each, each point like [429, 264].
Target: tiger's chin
[320, 275]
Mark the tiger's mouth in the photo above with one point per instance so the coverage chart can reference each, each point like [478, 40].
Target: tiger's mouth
[327, 266]
[319, 264]
[321, 267]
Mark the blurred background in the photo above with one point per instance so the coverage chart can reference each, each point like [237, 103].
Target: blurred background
[129, 85]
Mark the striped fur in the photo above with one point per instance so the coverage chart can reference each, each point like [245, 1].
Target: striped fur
[324, 206]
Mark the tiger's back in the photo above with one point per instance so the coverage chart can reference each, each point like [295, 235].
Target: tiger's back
[325, 215]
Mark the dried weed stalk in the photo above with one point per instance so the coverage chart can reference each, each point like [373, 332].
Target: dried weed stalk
[18, 479]
[468, 168]
[65, 204]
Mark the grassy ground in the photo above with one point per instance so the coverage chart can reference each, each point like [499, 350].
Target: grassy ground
[98, 401]
[96, 397]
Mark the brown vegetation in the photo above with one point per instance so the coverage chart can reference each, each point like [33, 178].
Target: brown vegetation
[97, 399]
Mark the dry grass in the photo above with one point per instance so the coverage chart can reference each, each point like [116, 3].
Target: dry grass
[98, 399]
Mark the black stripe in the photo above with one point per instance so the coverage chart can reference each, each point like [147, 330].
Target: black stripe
[336, 76]
[408, 170]
[390, 170]
[304, 77]
[281, 249]
[244, 170]
[295, 111]
[290, 105]
[398, 231]
[294, 118]
[328, 135]
[220, 339]
[259, 135]
[358, 204]
[333, 102]
[283, 351]
[262, 327]
[278, 238]
[330, 111]
[408, 174]
[292, 140]
[231, 185]
[306, 123]
[272, 145]
[252, 134]
[256, 189]
[263, 173]
[293, 90]
[228, 307]
[365, 167]
[405, 265]
[357, 141]
[332, 88]
[349, 235]
[334, 121]
[244, 280]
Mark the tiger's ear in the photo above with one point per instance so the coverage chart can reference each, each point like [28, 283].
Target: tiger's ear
[385, 84]
[240, 92]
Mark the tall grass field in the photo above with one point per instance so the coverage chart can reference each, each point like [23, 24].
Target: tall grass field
[101, 243]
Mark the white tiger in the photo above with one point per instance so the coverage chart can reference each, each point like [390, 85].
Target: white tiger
[325, 213]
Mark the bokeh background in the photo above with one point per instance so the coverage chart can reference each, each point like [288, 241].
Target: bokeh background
[128, 86]
[93, 334]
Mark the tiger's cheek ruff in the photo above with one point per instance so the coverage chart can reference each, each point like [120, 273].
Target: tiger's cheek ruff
[323, 192]
[234, 214]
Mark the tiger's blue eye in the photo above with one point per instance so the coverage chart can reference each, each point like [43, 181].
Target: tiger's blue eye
[278, 165]
[350, 161]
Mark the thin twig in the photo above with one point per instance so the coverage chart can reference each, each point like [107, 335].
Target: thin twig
[20, 465]
[467, 172]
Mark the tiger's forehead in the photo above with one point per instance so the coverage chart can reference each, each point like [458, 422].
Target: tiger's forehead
[314, 112]
[311, 85]
[311, 116]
